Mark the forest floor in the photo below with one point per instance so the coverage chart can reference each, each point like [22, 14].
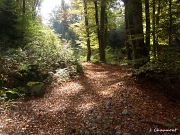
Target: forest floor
[104, 100]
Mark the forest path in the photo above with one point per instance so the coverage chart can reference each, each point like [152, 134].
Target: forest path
[101, 101]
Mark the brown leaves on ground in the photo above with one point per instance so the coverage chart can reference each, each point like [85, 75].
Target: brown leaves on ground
[103, 100]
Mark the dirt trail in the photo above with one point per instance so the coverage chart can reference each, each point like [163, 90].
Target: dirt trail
[101, 101]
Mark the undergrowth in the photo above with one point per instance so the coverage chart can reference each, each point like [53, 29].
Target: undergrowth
[45, 53]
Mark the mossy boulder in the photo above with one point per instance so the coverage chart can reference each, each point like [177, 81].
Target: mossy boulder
[35, 89]
[10, 94]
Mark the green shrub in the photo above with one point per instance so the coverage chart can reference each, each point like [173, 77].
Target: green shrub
[167, 64]
[43, 53]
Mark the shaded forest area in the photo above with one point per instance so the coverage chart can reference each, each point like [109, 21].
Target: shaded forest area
[140, 36]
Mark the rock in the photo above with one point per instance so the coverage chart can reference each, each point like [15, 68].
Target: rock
[109, 103]
[35, 89]
[126, 95]
[118, 133]
[12, 94]
[118, 127]
[98, 118]
[105, 126]
[125, 111]
[120, 83]
[86, 132]
[159, 105]
[130, 113]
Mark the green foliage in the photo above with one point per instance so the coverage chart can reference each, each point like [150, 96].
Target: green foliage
[111, 56]
[137, 63]
[167, 64]
[60, 21]
[8, 23]
[117, 37]
[43, 53]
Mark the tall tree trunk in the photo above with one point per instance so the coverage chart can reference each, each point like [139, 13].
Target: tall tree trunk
[24, 6]
[135, 28]
[63, 19]
[147, 25]
[102, 31]
[156, 27]
[153, 29]
[127, 22]
[87, 32]
[106, 31]
[97, 20]
[170, 22]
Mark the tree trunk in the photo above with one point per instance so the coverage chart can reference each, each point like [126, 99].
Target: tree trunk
[156, 26]
[170, 22]
[24, 6]
[135, 28]
[97, 21]
[153, 29]
[63, 19]
[102, 32]
[106, 31]
[128, 41]
[87, 32]
[147, 25]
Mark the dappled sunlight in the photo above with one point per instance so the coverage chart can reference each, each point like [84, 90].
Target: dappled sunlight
[71, 88]
[105, 93]
[94, 103]
[86, 106]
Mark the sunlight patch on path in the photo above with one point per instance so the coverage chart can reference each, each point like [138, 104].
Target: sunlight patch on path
[86, 106]
[71, 89]
[106, 93]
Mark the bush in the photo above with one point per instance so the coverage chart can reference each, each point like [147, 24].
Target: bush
[167, 64]
[43, 54]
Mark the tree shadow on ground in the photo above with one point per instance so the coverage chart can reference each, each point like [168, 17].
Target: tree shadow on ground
[93, 104]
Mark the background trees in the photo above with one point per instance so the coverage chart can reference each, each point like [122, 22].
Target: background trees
[98, 28]
[143, 33]
[8, 23]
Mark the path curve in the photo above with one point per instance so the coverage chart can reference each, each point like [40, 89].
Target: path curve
[101, 101]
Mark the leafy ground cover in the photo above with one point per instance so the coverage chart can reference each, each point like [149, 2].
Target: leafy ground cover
[103, 100]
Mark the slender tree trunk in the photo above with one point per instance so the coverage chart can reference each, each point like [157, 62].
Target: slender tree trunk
[153, 29]
[147, 25]
[63, 19]
[106, 31]
[170, 22]
[97, 20]
[87, 32]
[128, 40]
[156, 27]
[24, 6]
[102, 32]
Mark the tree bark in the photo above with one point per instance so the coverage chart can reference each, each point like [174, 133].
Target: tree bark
[97, 20]
[135, 28]
[170, 22]
[102, 31]
[63, 19]
[128, 40]
[147, 25]
[87, 32]
[24, 6]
